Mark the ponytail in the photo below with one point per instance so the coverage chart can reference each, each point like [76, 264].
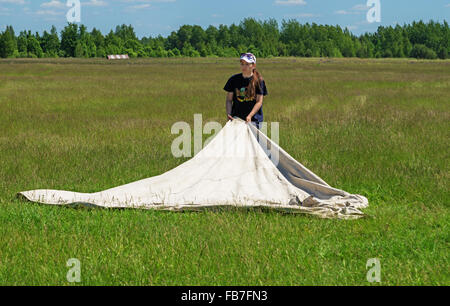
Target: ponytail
[254, 83]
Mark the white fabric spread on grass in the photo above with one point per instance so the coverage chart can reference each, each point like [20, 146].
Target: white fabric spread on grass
[233, 169]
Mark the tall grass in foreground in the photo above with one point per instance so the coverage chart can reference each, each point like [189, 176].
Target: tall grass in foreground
[374, 127]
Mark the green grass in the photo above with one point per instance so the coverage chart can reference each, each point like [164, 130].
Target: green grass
[379, 128]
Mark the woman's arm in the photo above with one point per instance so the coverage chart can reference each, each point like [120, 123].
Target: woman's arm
[258, 104]
[229, 105]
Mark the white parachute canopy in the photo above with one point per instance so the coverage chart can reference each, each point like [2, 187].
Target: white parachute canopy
[239, 167]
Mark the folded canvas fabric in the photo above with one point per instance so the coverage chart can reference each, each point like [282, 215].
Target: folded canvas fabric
[239, 167]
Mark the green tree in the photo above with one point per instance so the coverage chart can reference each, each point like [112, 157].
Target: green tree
[422, 51]
[22, 44]
[176, 52]
[348, 47]
[212, 34]
[33, 47]
[80, 49]
[69, 39]
[263, 38]
[188, 50]
[171, 41]
[8, 43]
[223, 37]
[184, 37]
[198, 37]
[113, 43]
[99, 42]
[125, 32]
[50, 43]
[442, 54]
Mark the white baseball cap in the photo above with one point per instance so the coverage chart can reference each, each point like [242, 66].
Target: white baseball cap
[248, 57]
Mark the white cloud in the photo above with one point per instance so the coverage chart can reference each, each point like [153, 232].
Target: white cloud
[94, 3]
[54, 4]
[360, 7]
[344, 12]
[139, 6]
[21, 2]
[5, 11]
[58, 7]
[63, 4]
[290, 2]
[355, 10]
[48, 12]
[302, 15]
[145, 4]
[147, 1]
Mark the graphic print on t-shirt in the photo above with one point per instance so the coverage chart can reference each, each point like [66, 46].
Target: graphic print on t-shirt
[241, 95]
[242, 105]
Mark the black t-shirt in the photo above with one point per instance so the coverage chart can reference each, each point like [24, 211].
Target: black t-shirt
[242, 106]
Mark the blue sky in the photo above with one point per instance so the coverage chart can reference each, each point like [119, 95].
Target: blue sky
[154, 17]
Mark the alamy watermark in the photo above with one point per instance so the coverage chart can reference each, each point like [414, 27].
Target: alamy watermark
[374, 13]
[226, 146]
[74, 13]
[374, 272]
[74, 273]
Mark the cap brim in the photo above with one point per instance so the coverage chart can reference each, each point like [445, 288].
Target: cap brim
[247, 60]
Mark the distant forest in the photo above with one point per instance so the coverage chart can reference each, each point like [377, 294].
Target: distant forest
[262, 38]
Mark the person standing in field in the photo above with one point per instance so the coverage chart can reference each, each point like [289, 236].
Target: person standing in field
[245, 92]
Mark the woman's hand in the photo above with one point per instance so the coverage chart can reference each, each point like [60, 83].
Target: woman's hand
[248, 119]
[229, 117]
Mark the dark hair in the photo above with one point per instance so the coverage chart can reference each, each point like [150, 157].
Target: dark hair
[255, 81]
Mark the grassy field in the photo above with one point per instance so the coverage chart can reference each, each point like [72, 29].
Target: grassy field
[379, 128]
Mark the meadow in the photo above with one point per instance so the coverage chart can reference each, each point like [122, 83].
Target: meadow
[379, 128]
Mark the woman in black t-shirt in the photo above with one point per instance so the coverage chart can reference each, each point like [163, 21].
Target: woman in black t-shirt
[245, 92]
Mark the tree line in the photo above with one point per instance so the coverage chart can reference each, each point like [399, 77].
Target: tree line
[262, 38]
